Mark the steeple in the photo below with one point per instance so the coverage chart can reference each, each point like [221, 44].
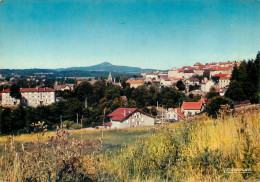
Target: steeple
[110, 79]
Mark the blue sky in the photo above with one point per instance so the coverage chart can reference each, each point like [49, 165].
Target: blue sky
[147, 34]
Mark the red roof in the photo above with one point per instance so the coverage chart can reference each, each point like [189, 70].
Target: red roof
[223, 63]
[204, 100]
[166, 79]
[192, 105]
[31, 90]
[224, 78]
[122, 113]
[180, 115]
[108, 124]
[174, 78]
[220, 75]
[224, 68]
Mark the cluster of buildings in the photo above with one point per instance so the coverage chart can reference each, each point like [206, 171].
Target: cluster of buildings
[204, 77]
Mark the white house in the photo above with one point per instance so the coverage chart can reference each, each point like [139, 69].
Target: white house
[223, 82]
[135, 83]
[130, 117]
[152, 76]
[206, 85]
[187, 73]
[30, 96]
[174, 114]
[173, 72]
[191, 108]
[165, 81]
[64, 87]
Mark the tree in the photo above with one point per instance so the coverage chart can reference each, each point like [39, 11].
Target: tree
[15, 92]
[84, 90]
[245, 81]
[180, 85]
[212, 93]
[214, 104]
[154, 111]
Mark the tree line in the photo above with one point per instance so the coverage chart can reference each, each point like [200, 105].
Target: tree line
[86, 104]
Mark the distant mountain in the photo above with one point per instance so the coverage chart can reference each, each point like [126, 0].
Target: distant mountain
[106, 66]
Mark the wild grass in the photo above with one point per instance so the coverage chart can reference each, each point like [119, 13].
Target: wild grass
[200, 149]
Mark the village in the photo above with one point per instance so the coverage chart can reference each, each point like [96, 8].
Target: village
[196, 80]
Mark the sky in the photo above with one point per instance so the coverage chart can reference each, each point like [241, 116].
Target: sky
[147, 34]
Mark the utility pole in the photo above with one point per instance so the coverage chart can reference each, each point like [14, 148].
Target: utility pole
[61, 121]
[103, 123]
[86, 102]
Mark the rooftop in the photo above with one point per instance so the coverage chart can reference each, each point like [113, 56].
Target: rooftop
[192, 105]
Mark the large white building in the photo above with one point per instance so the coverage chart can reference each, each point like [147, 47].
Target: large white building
[30, 97]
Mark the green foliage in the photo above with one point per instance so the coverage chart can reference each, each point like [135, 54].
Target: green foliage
[249, 158]
[245, 81]
[214, 105]
[212, 93]
[154, 111]
[180, 85]
[15, 92]
[192, 98]
[76, 126]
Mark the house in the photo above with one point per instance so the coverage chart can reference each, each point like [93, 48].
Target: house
[188, 73]
[173, 72]
[206, 85]
[135, 83]
[163, 74]
[130, 117]
[152, 76]
[193, 81]
[216, 77]
[197, 64]
[175, 80]
[223, 82]
[64, 87]
[174, 114]
[165, 81]
[30, 97]
[191, 108]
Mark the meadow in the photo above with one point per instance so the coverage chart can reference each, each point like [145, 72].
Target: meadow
[201, 149]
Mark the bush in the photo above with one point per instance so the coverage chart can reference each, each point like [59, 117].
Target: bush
[76, 126]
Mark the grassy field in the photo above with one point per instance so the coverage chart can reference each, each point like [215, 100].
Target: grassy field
[112, 139]
[201, 149]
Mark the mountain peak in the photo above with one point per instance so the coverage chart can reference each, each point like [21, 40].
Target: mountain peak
[105, 64]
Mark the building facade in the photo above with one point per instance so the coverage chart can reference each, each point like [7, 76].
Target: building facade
[30, 97]
[130, 117]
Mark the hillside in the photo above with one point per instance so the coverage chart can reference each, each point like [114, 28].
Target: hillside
[202, 149]
[106, 66]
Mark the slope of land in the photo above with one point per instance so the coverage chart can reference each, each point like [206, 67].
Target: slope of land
[201, 149]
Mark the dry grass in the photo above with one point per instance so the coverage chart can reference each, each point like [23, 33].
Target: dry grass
[191, 150]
